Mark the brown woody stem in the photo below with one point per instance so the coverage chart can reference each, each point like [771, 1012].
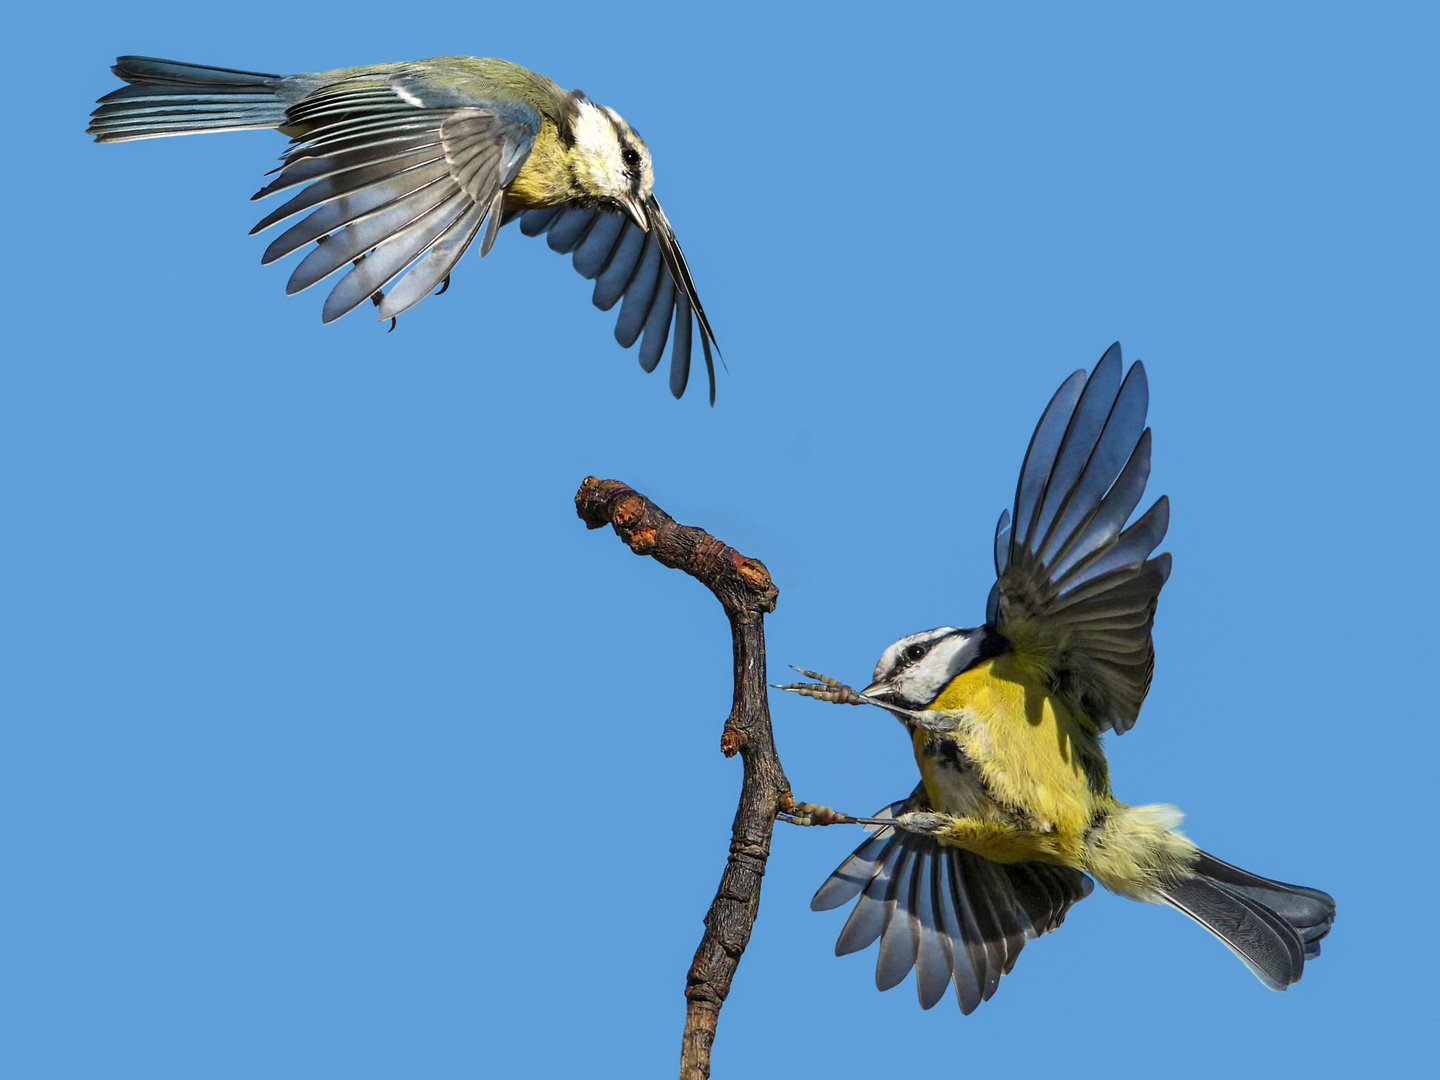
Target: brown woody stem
[745, 591]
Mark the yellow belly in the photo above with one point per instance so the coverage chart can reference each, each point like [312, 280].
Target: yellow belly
[1026, 746]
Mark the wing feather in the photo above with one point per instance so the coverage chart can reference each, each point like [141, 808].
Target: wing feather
[347, 183]
[387, 261]
[867, 918]
[657, 324]
[436, 263]
[396, 186]
[566, 231]
[967, 967]
[1082, 433]
[1075, 587]
[932, 954]
[412, 146]
[1040, 458]
[899, 937]
[680, 354]
[646, 268]
[948, 913]
[619, 272]
[369, 232]
[349, 208]
[640, 295]
[594, 252]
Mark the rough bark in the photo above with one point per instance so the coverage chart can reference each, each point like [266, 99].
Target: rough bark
[745, 591]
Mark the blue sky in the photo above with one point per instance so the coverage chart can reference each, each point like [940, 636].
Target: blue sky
[334, 745]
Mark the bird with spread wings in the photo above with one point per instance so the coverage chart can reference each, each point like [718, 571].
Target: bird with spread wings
[1014, 813]
[401, 167]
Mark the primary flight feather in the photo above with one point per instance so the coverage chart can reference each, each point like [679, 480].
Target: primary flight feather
[400, 167]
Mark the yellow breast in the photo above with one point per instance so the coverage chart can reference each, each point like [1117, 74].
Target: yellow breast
[1027, 744]
[544, 179]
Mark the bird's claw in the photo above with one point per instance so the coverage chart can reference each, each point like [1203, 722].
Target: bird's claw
[443, 286]
[377, 298]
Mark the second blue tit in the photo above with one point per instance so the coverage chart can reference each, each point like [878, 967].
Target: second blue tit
[1014, 806]
[404, 165]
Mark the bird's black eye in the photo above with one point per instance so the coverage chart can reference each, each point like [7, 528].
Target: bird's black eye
[630, 156]
[914, 652]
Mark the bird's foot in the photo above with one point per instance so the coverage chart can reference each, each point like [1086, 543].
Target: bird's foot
[806, 814]
[826, 689]
[837, 693]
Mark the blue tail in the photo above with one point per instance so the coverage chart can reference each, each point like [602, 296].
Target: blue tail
[1271, 926]
[169, 98]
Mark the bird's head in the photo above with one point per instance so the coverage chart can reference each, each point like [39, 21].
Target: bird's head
[913, 672]
[610, 163]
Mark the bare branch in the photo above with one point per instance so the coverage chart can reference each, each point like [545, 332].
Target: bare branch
[747, 594]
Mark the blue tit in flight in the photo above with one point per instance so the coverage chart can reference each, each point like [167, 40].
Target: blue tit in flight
[403, 165]
[1014, 807]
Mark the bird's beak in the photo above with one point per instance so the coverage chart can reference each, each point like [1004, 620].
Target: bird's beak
[876, 688]
[635, 211]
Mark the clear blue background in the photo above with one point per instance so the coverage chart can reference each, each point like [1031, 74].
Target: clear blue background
[335, 746]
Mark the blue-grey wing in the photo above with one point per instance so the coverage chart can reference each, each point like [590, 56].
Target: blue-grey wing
[644, 268]
[1074, 584]
[394, 185]
[952, 916]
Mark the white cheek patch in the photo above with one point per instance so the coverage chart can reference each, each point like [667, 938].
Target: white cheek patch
[950, 652]
[597, 151]
[925, 680]
[619, 176]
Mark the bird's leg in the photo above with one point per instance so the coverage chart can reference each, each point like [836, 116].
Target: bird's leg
[939, 721]
[929, 823]
[804, 813]
[1000, 841]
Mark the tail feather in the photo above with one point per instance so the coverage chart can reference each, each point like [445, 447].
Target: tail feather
[150, 69]
[1310, 911]
[1273, 927]
[170, 98]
